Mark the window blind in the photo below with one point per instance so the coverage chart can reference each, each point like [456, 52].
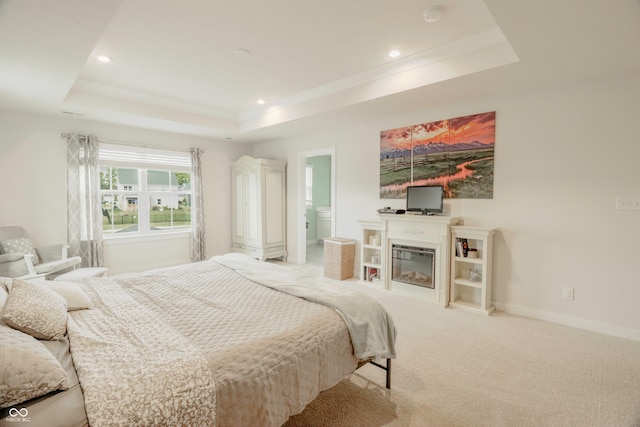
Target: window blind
[143, 157]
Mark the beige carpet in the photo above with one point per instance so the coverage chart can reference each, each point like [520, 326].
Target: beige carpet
[456, 368]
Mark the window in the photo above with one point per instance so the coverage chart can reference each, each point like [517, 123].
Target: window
[309, 185]
[143, 191]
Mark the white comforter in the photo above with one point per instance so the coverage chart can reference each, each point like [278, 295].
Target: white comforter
[270, 353]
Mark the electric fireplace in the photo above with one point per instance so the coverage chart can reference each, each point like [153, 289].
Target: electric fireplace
[416, 250]
[413, 265]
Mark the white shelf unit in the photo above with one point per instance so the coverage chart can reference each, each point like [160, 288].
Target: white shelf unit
[473, 295]
[372, 252]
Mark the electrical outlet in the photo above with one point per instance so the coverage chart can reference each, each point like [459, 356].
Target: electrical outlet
[628, 203]
[567, 293]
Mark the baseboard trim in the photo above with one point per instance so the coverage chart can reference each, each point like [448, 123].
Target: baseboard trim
[574, 322]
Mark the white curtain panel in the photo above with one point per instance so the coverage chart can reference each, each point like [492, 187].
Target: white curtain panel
[198, 244]
[84, 210]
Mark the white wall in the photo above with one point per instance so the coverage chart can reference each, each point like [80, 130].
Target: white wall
[33, 191]
[562, 156]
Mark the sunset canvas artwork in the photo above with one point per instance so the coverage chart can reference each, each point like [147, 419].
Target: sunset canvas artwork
[457, 153]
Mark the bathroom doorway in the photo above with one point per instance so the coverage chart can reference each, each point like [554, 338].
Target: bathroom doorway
[317, 205]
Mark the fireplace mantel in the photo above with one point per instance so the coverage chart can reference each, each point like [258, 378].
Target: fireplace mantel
[422, 231]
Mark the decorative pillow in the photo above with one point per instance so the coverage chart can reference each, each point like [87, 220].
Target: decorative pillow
[35, 310]
[76, 298]
[5, 283]
[21, 245]
[28, 370]
[3, 297]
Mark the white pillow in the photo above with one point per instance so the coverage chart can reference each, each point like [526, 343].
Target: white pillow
[76, 298]
[35, 310]
[28, 370]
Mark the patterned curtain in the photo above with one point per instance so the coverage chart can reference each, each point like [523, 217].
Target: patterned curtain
[84, 209]
[198, 246]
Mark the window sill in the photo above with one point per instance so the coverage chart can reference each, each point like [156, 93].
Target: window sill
[118, 240]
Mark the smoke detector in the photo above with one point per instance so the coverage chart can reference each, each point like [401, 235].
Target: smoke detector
[433, 14]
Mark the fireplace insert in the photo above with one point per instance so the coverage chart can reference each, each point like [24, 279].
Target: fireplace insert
[413, 265]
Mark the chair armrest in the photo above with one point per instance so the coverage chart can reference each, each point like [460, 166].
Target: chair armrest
[52, 252]
[16, 265]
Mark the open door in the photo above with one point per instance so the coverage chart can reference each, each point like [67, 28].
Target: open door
[317, 204]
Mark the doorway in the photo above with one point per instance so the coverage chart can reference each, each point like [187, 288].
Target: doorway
[317, 204]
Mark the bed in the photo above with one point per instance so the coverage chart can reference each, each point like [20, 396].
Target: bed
[228, 341]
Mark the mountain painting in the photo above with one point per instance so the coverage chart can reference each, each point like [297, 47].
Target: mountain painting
[457, 153]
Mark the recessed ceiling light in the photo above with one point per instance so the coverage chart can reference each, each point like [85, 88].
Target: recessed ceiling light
[261, 101]
[104, 58]
[394, 53]
[433, 14]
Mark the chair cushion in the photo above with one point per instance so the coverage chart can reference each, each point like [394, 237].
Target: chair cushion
[13, 265]
[16, 256]
[20, 245]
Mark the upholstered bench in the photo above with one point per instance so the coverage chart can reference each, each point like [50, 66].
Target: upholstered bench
[82, 273]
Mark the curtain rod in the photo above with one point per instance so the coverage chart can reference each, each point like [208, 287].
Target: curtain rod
[134, 144]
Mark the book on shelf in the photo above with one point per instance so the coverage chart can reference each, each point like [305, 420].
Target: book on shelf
[370, 273]
[462, 247]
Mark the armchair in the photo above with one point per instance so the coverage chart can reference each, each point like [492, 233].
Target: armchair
[19, 259]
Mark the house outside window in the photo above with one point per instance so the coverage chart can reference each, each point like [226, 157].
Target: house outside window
[143, 192]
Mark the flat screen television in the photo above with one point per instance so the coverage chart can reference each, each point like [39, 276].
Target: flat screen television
[427, 199]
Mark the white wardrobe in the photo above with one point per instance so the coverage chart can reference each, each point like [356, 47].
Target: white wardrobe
[258, 219]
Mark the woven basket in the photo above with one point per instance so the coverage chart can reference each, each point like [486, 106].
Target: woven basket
[339, 255]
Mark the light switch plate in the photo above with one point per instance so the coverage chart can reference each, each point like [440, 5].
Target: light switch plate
[628, 203]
